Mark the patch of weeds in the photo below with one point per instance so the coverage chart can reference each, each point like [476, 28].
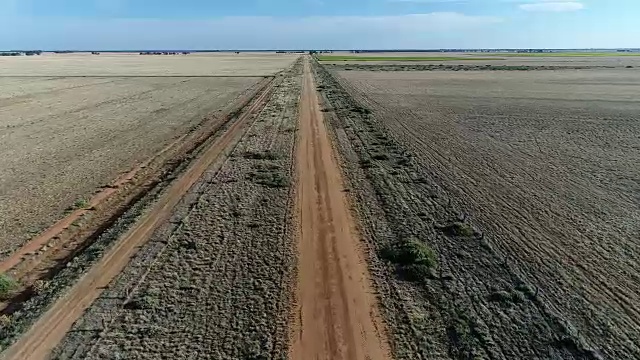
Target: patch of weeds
[80, 204]
[361, 110]
[416, 259]
[503, 297]
[417, 272]
[409, 252]
[39, 286]
[93, 253]
[5, 320]
[380, 156]
[530, 292]
[381, 136]
[152, 330]
[366, 164]
[420, 180]
[457, 228]
[269, 178]
[7, 285]
[404, 161]
[261, 155]
[189, 245]
[142, 302]
[461, 336]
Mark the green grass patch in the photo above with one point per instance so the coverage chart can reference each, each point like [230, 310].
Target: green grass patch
[562, 54]
[400, 58]
[415, 259]
[7, 285]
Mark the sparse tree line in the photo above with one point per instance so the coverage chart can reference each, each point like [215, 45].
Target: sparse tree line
[21, 53]
[164, 53]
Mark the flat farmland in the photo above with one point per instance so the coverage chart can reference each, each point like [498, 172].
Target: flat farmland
[612, 60]
[525, 187]
[73, 123]
[108, 64]
[62, 138]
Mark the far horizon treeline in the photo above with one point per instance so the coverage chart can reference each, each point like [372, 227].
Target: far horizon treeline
[299, 51]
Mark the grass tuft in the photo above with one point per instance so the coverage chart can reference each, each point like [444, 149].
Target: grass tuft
[261, 155]
[81, 204]
[459, 229]
[7, 285]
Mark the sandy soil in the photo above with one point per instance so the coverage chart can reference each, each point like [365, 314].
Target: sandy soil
[336, 315]
[543, 167]
[222, 64]
[63, 138]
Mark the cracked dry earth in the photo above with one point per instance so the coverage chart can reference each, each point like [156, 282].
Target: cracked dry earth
[217, 286]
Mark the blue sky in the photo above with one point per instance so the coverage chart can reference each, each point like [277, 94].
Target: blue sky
[264, 24]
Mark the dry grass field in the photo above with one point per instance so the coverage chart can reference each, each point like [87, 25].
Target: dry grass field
[71, 123]
[524, 185]
[255, 206]
[108, 64]
[63, 138]
[218, 286]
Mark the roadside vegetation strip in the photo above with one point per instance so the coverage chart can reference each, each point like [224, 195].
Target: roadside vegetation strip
[455, 67]
[47, 332]
[336, 315]
[399, 58]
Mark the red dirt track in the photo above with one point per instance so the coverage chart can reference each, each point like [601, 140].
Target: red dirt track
[336, 315]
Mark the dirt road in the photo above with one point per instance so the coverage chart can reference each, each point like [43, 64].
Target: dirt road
[336, 314]
[51, 328]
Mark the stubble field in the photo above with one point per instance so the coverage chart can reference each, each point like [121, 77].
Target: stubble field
[71, 123]
[524, 185]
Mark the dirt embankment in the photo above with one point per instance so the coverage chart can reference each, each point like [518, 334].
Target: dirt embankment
[447, 289]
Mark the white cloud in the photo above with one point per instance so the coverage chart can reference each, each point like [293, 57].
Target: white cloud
[553, 6]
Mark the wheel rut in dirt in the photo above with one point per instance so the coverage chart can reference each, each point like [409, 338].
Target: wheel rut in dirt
[336, 314]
